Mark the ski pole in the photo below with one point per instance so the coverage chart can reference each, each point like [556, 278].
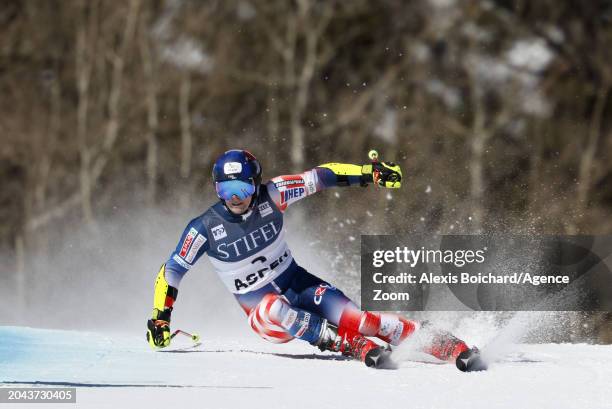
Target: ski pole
[194, 337]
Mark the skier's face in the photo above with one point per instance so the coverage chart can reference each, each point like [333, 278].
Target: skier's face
[238, 206]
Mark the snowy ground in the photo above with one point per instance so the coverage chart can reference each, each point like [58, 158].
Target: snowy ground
[121, 371]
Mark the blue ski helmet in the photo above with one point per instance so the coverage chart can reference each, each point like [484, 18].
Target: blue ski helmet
[236, 172]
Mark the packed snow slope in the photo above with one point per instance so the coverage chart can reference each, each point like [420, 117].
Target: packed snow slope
[122, 371]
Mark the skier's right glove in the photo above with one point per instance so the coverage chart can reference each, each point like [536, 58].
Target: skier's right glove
[158, 333]
[384, 174]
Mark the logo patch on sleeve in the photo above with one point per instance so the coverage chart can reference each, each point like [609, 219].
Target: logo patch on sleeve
[198, 242]
[310, 178]
[218, 232]
[187, 242]
[292, 194]
[181, 262]
[288, 181]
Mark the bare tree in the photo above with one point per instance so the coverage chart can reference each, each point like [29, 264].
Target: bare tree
[186, 136]
[118, 58]
[85, 37]
[590, 147]
[149, 63]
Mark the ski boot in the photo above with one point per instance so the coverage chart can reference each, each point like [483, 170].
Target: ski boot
[355, 345]
[445, 346]
[470, 361]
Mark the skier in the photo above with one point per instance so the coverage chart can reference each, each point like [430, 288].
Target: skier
[244, 237]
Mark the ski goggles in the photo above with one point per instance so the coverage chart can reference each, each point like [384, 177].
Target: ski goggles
[230, 188]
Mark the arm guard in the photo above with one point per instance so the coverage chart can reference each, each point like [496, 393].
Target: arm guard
[345, 174]
[164, 297]
[384, 174]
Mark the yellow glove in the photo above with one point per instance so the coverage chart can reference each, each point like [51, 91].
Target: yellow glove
[385, 174]
[158, 333]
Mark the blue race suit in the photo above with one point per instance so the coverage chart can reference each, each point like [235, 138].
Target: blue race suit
[251, 256]
[252, 259]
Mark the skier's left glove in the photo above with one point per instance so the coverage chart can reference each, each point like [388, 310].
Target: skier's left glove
[158, 333]
[385, 174]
